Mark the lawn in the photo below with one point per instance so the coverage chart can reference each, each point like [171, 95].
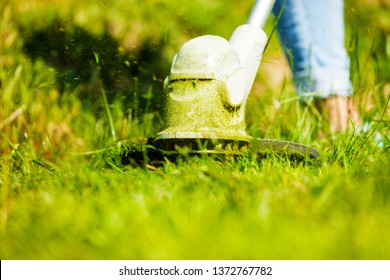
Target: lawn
[77, 76]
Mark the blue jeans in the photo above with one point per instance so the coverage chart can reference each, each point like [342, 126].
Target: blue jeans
[312, 36]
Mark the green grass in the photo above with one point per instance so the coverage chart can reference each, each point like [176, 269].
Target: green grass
[88, 72]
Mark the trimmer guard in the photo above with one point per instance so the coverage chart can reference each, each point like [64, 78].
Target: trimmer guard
[142, 151]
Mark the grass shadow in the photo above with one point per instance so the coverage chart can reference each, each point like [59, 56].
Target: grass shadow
[84, 62]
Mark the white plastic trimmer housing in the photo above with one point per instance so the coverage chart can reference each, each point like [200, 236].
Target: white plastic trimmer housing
[209, 83]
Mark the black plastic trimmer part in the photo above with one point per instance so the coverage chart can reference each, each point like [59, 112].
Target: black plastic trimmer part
[142, 151]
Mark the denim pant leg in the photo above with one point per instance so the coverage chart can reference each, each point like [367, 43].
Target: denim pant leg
[312, 35]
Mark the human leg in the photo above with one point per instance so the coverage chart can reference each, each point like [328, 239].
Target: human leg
[312, 35]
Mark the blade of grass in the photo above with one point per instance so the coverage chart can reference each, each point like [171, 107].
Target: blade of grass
[108, 111]
[14, 148]
[13, 116]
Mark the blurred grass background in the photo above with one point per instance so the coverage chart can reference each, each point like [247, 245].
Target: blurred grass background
[57, 57]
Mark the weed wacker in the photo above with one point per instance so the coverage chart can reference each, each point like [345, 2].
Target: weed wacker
[206, 92]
